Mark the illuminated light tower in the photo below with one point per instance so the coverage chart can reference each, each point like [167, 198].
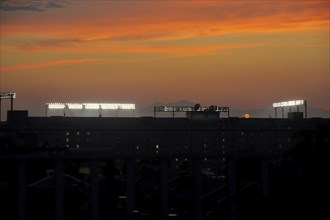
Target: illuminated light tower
[90, 106]
[289, 104]
[8, 95]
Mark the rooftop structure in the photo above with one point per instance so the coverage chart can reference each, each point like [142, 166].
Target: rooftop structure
[290, 104]
[196, 108]
[205, 163]
[7, 95]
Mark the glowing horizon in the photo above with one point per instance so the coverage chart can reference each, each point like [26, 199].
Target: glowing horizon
[242, 54]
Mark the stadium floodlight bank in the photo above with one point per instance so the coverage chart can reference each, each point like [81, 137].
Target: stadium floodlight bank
[7, 95]
[289, 104]
[113, 106]
[90, 106]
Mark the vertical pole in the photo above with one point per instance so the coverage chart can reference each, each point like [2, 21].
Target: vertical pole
[231, 188]
[130, 188]
[59, 190]
[197, 166]
[21, 189]
[0, 109]
[164, 189]
[305, 103]
[11, 102]
[282, 112]
[275, 112]
[154, 111]
[94, 190]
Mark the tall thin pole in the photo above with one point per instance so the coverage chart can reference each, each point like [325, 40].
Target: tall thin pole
[275, 112]
[11, 102]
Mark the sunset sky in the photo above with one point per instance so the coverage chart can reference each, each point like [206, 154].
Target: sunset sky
[242, 54]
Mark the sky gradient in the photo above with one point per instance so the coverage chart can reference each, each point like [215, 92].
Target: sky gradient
[242, 54]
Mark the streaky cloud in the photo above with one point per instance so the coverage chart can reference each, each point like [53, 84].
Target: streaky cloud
[31, 5]
[49, 64]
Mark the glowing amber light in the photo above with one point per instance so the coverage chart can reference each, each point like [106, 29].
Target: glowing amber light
[246, 115]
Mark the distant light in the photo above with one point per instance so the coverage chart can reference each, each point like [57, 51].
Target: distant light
[115, 106]
[128, 106]
[7, 95]
[91, 105]
[109, 106]
[74, 106]
[55, 105]
[246, 115]
[288, 103]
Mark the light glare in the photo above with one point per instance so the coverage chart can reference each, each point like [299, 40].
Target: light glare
[56, 105]
[74, 106]
[7, 95]
[108, 106]
[288, 103]
[92, 105]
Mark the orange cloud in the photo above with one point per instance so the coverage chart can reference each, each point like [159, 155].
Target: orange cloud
[48, 64]
[106, 47]
[175, 19]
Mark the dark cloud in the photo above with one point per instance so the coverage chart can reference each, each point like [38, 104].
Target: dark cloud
[58, 42]
[30, 5]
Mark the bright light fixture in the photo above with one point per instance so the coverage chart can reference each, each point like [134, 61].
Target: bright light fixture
[109, 106]
[55, 105]
[288, 103]
[91, 105]
[74, 106]
[7, 95]
[115, 106]
[127, 106]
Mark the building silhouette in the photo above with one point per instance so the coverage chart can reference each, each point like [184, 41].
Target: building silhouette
[198, 167]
